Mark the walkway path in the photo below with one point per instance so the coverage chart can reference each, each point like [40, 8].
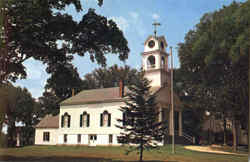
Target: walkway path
[209, 149]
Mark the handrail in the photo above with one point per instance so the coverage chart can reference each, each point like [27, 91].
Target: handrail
[188, 137]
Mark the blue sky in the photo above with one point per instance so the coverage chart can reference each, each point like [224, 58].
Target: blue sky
[135, 18]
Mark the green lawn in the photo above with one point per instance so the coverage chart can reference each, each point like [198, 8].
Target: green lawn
[84, 153]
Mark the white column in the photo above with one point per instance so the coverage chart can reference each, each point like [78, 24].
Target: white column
[160, 114]
[18, 139]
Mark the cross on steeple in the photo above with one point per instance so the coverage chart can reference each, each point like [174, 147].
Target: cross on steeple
[155, 24]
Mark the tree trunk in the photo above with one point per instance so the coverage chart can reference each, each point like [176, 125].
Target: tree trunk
[11, 134]
[249, 104]
[234, 136]
[141, 151]
[224, 130]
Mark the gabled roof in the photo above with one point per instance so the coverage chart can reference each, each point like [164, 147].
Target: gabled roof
[157, 38]
[109, 95]
[95, 96]
[49, 121]
[104, 95]
[163, 98]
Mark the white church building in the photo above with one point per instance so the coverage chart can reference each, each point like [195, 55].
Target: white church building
[90, 117]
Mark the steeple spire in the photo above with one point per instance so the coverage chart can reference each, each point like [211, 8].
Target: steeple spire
[155, 24]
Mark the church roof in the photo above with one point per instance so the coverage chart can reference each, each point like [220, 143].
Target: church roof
[104, 95]
[49, 121]
[109, 95]
[95, 96]
[157, 37]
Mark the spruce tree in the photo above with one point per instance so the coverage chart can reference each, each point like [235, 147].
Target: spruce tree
[140, 124]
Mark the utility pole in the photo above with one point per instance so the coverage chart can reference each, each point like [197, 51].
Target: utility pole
[172, 102]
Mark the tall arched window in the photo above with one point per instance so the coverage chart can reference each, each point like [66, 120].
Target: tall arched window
[163, 62]
[65, 120]
[151, 62]
[84, 119]
[105, 119]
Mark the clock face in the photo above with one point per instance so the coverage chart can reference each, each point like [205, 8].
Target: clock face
[151, 44]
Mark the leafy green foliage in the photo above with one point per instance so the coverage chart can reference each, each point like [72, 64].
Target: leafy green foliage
[48, 104]
[18, 106]
[64, 78]
[110, 77]
[140, 124]
[193, 112]
[214, 62]
[36, 26]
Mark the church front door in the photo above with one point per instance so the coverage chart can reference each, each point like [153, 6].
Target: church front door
[92, 140]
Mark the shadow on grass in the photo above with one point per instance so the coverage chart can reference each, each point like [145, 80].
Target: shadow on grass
[64, 159]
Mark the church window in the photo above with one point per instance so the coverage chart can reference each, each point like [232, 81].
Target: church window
[151, 44]
[110, 139]
[162, 61]
[65, 120]
[93, 137]
[79, 138]
[162, 45]
[105, 119]
[46, 136]
[84, 119]
[151, 62]
[124, 119]
[65, 138]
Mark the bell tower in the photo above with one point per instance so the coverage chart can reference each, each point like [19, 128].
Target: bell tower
[155, 60]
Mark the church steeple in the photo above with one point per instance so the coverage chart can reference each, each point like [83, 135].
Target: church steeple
[155, 60]
[155, 24]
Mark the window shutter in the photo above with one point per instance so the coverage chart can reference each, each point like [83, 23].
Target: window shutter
[81, 120]
[101, 120]
[48, 136]
[44, 136]
[68, 121]
[88, 120]
[123, 119]
[109, 120]
[62, 120]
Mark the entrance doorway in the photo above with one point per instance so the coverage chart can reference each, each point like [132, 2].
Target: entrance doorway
[92, 139]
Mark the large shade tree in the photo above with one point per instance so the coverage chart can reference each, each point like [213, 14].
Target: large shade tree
[33, 28]
[214, 59]
[17, 105]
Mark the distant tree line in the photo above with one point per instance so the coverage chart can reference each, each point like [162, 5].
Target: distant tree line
[18, 106]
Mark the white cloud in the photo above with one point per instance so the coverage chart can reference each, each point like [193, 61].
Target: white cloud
[121, 22]
[137, 23]
[134, 15]
[155, 16]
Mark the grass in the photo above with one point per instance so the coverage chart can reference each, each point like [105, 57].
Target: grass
[103, 154]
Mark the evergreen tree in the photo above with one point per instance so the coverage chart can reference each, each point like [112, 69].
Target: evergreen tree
[140, 123]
